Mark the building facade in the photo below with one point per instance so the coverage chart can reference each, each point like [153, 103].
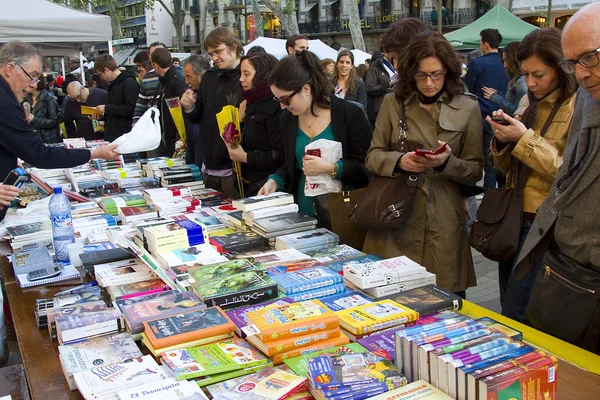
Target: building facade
[536, 11]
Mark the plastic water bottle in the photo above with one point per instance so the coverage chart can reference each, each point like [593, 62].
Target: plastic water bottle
[62, 227]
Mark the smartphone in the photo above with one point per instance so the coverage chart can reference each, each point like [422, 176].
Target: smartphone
[501, 121]
[439, 150]
[17, 177]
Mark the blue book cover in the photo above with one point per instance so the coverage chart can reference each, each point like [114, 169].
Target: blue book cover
[195, 232]
[345, 300]
[319, 293]
[307, 279]
[338, 266]
[468, 368]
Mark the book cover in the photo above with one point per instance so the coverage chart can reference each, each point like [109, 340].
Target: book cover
[256, 202]
[293, 343]
[138, 289]
[23, 231]
[77, 326]
[225, 376]
[52, 313]
[307, 239]
[418, 390]
[283, 222]
[299, 364]
[222, 270]
[119, 304]
[292, 266]
[235, 241]
[319, 293]
[185, 327]
[334, 370]
[244, 288]
[239, 316]
[250, 216]
[338, 253]
[296, 319]
[106, 381]
[384, 272]
[346, 300]
[280, 256]
[160, 307]
[380, 343]
[166, 389]
[187, 255]
[429, 299]
[375, 316]
[214, 358]
[387, 291]
[104, 256]
[307, 279]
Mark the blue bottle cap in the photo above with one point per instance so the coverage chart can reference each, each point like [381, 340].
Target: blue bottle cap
[58, 190]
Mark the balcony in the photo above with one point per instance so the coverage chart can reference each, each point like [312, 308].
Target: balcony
[455, 19]
[189, 40]
[195, 9]
[235, 5]
[134, 22]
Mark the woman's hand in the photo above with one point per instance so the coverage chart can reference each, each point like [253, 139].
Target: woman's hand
[237, 154]
[269, 187]
[313, 165]
[466, 208]
[29, 117]
[7, 194]
[242, 110]
[507, 133]
[434, 160]
[488, 92]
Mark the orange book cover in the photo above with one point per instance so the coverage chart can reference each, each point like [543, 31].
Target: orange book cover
[291, 320]
[186, 327]
[285, 345]
[327, 344]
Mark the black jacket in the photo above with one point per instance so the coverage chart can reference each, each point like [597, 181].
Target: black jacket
[263, 142]
[47, 115]
[170, 85]
[359, 95]
[350, 127]
[118, 113]
[79, 125]
[377, 84]
[219, 88]
[18, 140]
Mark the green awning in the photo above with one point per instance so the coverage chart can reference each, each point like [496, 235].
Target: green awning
[511, 28]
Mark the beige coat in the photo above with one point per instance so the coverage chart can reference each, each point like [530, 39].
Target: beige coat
[435, 234]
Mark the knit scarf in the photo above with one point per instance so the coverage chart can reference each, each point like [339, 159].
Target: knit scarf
[429, 99]
[253, 95]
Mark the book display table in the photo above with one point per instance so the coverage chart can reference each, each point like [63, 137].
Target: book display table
[578, 372]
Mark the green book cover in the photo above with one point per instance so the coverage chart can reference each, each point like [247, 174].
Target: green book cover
[222, 270]
[225, 376]
[300, 366]
[215, 358]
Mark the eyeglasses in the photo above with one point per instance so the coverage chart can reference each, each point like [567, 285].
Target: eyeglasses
[588, 60]
[288, 99]
[217, 52]
[31, 78]
[436, 76]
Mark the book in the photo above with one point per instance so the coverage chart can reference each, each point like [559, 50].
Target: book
[308, 279]
[293, 343]
[257, 202]
[235, 241]
[104, 256]
[380, 343]
[132, 272]
[414, 391]
[30, 230]
[239, 316]
[338, 266]
[337, 253]
[165, 389]
[160, 307]
[318, 293]
[138, 289]
[292, 320]
[280, 256]
[266, 384]
[299, 364]
[185, 327]
[286, 266]
[214, 358]
[387, 291]
[68, 273]
[429, 299]
[183, 345]
[225, 376]
[78, 326]
[250, 216]
[249, 287]
[345, 300]
[283, 222]
[198, 254]
[341, 340]
[375, 316]
[106, 381]
[96, 352]
[52, 313]
[320, 237]
[222, 270]
[384, 272]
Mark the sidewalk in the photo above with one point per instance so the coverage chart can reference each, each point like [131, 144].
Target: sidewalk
[487, 292]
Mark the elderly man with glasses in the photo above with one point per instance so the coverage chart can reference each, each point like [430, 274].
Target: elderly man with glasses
[76, 123]
[565, 232]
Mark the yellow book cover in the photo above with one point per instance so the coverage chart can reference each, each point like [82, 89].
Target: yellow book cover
[296, 319]
[375, 316]
[86, 110]
[327, 344]
[285, 345]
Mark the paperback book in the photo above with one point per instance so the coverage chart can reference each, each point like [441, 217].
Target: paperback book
[307, 279]
[375, 316]
[239, 316]
[299, 364]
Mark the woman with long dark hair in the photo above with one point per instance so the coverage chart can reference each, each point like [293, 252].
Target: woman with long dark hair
[347, 84]
[551, 100]
[517, 88]
[45, 115]
[312, 112]
[430, 98]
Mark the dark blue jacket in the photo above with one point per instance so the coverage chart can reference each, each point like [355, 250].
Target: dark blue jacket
[18, 140]
[487, 70]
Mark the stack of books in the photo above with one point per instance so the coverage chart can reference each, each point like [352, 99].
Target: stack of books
[111, 205]
[299, 365]
[188, 258]
[308, 283]
[254, 203]
[250, 216]
[178, 234]
[381, 279]
[188, 175]
[75, 327]
[272, 227]
[138, 183]
[161, 194]
[176, 205]
[39, 233]
[227, 240]
[150, 166]
[239, 315]
[283, 332]
[88, 209]
[122, 272]
[84, 225]
[125, 172]
[309, 240]
[187, 329]
[130, 214]
[227, 359]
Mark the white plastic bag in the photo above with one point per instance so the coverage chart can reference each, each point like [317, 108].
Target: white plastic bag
[330, 151]
[145, 135]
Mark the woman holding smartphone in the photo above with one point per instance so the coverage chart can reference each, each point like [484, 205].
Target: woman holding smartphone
[536, 142]
[440, 116]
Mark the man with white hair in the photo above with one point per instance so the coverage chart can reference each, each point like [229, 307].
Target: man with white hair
[565, 301]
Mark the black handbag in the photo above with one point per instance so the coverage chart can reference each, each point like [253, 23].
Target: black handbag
[386, 202]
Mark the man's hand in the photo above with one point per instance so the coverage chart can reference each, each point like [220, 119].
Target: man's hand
[269, 187]
[237, 154]
[7, 194]
[187, 100]
[101, 108]
[106, 152]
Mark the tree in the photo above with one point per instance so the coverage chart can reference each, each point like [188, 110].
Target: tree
[286, 15]
[354, 23]
[258, 21]
[177, 15]
[115, 19]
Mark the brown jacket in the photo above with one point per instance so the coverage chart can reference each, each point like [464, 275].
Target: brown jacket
[435, 234]
[544, 155]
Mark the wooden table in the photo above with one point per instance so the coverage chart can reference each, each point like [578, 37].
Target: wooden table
[46, 380]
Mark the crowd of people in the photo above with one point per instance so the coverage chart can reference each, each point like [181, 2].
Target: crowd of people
[529, 110]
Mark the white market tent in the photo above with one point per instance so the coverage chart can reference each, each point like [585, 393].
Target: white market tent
[276, 47]
[55, 29]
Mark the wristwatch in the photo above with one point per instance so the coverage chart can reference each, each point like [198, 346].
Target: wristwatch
[335, 170]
